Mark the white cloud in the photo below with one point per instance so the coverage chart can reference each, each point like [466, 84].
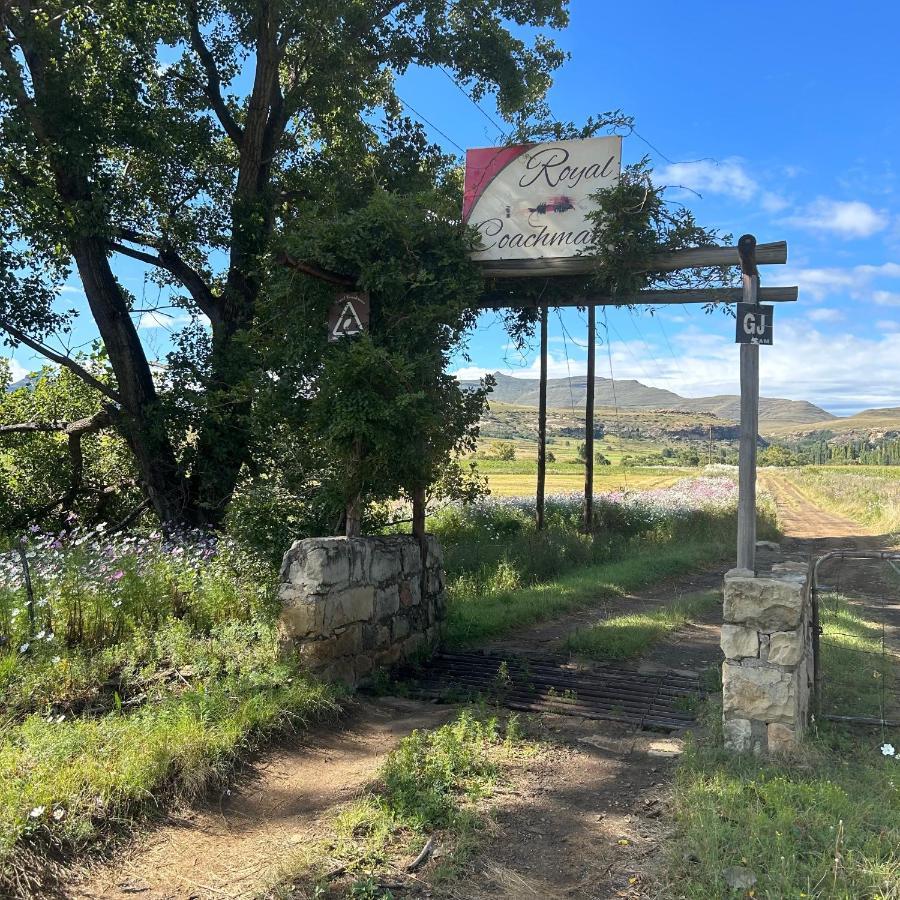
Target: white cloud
[888, 324]
[728, 177]
[471, 373]
[71, 289]
[887, 298]
[773, 203]
[855, 282]
[149, 320]
[847, 218]
[825, 314]
[17, 370]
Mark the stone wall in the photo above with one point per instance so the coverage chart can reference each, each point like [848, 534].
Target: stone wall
[767, 674]
[354, 605]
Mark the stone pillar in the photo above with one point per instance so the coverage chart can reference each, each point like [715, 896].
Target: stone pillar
[354, 605]
[767, 673]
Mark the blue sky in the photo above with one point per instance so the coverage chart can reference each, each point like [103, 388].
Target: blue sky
[785, 119]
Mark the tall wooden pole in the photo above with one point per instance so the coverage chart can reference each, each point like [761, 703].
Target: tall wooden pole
[746, 536]
[542, 424]
[589, 421]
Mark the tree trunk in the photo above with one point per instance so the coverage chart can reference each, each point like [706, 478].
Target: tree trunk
[141, 422]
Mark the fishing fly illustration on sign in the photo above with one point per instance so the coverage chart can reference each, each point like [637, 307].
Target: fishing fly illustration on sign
[348, 316]
[531, 201]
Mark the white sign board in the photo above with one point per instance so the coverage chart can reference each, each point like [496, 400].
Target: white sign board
[529, 201]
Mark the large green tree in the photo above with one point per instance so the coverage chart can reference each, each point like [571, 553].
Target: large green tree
[179, 134]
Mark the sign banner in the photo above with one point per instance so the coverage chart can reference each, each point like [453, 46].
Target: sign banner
[529, 201]
[348, 316]
[754, 324]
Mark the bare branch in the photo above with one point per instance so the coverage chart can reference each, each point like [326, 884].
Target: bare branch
[62, 360]
[213, 86]
[168, 259]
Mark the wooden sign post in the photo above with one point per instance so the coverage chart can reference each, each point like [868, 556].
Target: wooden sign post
[588, 512]
[746, 535]
[542, 426]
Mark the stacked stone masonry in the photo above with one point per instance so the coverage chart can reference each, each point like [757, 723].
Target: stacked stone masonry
[351, 606]
[767, 675]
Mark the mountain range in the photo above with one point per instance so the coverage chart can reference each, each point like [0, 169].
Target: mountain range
[565, 393]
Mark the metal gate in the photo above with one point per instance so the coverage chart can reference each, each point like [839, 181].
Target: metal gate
[856, 637]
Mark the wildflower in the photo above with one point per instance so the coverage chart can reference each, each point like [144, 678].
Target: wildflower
[37, 812]
[888, 750]
[50, 636]
[59, 814]
[40, 635]
[56, 660]
[24, 647]
[118, 575]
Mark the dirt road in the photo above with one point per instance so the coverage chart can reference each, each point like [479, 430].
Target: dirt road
[587, 819]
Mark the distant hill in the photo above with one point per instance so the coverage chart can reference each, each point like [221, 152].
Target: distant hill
[870, 424]
[563, 393]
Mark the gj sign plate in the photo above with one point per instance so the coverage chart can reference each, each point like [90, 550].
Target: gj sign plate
[530, 201]
[754, 324]
[348, 316]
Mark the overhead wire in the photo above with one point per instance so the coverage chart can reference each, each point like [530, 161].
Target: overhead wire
[612, 381]
[430, 124]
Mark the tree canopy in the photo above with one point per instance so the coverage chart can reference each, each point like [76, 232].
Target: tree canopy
[186, 136]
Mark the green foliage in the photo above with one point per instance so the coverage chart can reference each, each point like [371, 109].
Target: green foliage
[201, 139]
[37, 473]
[384, 417]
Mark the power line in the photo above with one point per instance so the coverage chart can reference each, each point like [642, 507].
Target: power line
[474, 102]
[430, 124]
[612, 381]
[419, 115]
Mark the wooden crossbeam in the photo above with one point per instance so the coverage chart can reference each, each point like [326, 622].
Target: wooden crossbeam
[645, 298]
[774, 253]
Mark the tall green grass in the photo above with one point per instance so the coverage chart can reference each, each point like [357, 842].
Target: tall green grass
[823, 824]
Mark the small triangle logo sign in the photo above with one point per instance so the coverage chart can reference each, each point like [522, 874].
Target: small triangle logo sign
[348, 317]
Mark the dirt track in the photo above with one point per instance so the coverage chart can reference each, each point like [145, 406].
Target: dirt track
[587, 820]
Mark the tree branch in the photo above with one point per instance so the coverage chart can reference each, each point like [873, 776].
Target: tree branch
[62, 360]
[316, 272]
[213, 87]
[168, 259]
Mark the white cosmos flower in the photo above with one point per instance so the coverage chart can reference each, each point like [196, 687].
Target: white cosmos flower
[37, 812]
[59, 814]
[888, 749]
[23, 648]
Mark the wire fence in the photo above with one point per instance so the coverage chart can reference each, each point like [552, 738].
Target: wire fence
[856, 620]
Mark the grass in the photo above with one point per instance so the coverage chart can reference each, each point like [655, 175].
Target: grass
[477, 618]
[824, 822]
[515, 479]
[430, 785]
[142, 669]
[64, 780]
[859, 679]
[627, 636]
